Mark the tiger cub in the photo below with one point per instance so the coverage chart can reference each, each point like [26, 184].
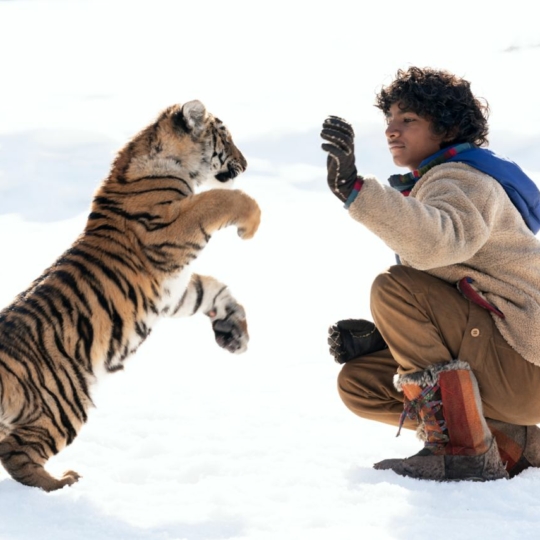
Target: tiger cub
[98, 302]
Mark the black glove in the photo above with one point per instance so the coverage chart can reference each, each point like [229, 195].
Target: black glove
[352, 338]
[340, 165]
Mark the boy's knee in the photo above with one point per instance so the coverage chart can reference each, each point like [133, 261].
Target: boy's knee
[398, 281]
[368, 391]
[386, 283]
[349, 389]
[344, 379]
[357, 380]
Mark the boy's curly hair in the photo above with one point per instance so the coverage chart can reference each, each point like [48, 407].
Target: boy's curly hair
[444, 99]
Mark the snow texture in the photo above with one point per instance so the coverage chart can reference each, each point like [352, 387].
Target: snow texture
[189, 442]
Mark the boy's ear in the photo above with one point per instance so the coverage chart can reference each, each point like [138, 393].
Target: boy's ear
[451, 134]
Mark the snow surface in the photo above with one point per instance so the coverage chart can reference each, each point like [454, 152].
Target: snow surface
[189, 442]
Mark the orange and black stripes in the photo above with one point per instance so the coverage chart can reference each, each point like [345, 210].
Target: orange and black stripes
[97, 303]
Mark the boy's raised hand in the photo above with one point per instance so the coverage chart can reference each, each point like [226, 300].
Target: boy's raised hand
[340, 163]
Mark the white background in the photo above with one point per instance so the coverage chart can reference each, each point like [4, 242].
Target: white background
[190, 442]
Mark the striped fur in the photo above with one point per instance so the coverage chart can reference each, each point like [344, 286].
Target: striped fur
[98, 302]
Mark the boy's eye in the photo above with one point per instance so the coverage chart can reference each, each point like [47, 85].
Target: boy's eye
[407, 120]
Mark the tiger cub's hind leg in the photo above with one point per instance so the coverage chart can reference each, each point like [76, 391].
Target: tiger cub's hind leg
[228, 322]
[24, 456]
[205, 294]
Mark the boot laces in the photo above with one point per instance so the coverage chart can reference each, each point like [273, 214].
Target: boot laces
[424, 409]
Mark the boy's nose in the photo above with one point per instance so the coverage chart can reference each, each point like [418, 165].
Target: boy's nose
[390, 130]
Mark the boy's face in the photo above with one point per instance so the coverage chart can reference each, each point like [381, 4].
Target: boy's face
[410, 137]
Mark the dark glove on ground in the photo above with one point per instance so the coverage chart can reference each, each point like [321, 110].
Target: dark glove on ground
[351, 338]
[340, 164]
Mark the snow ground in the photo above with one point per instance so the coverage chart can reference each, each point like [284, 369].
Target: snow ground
[190, 442]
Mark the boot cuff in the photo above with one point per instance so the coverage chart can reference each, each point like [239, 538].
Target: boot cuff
[430, 375]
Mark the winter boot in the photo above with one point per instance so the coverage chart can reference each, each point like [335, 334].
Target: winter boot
[519, 446]
[445, 401]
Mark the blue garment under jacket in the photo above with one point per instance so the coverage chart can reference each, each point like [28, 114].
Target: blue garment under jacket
[523, 192]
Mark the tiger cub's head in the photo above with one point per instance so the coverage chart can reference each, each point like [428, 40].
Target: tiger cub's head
[185, 141]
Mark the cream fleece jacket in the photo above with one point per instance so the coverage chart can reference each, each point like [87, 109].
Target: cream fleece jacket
[459, 222]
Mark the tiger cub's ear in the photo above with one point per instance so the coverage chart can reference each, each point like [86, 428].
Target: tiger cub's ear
[192, 117]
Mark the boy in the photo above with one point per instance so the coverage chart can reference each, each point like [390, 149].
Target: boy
[458, 354]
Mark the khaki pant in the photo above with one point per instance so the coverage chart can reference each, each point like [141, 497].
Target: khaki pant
[424, 321]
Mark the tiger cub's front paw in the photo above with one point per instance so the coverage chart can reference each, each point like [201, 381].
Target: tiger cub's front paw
[248, 225]
[230, 329]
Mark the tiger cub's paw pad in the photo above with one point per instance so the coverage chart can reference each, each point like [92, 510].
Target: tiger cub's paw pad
[231, 330]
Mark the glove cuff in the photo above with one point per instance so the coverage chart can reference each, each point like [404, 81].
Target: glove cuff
[354, 193]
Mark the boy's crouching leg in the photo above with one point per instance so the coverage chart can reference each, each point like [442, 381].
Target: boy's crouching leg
[366, 387]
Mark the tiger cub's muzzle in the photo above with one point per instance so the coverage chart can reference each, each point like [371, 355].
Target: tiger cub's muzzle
[234, 168]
